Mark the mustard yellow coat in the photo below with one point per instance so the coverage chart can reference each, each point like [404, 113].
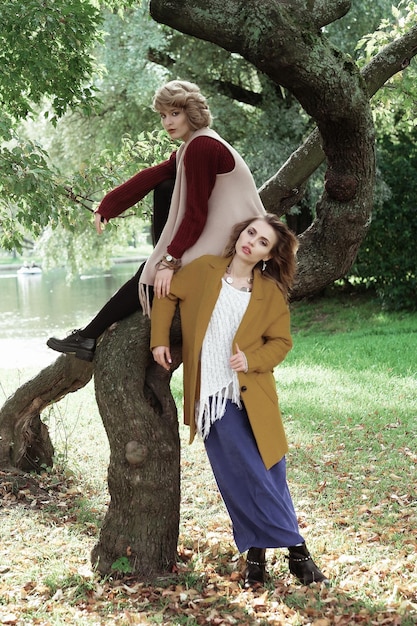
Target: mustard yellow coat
[263, 335]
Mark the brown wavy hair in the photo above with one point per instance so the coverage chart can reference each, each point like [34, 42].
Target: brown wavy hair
[187, 96]
[281, 267]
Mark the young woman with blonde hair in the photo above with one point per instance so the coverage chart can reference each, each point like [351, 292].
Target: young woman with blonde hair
[213, 189]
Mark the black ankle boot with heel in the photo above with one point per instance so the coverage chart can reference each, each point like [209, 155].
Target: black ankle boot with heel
[255, 568]
[303, 567]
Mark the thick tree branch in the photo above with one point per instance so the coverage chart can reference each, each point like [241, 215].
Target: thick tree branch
[294, 173]
[394, 58]
[282, 190]
[19, 416]
[325, 12]
[282, 41]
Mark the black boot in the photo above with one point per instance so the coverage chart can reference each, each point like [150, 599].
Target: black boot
[255, 567]
[82, 347]
[303, 567]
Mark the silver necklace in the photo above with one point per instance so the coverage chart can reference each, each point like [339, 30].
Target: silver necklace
[230, 279]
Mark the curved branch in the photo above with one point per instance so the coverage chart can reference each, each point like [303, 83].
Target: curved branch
[394, 58]
[283, 41]
[301, 164]
[19, 416]
[325, 12]
[284, 188]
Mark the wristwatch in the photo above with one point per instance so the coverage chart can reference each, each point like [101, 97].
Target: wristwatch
[171, 260]
[168, 262]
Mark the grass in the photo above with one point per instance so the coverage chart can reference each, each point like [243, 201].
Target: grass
[349, 401]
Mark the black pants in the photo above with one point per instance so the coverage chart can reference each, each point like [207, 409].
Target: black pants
[126, 300]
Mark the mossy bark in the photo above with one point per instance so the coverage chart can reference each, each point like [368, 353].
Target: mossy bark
[140, 418]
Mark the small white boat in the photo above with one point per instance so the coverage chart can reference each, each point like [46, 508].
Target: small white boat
[31, 268]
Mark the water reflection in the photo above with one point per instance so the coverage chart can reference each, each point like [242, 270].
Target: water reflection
[34, 307]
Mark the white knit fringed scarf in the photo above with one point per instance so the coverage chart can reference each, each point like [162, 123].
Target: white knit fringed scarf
[219, 382]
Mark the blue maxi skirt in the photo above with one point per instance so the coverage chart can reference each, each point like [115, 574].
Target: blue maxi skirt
[258, 500]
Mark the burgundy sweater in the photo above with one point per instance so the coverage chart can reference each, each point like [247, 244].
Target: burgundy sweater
[204, 158]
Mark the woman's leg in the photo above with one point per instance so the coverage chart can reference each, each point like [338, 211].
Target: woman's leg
[258, 500]
[82, 343]
[125, 301]
[161, 204]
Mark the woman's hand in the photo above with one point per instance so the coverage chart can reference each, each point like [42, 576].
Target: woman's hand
[162, 355]
[99, 223]
[162, 282]
[238, 361]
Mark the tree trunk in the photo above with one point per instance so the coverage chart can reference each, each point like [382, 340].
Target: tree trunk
[140, 418]
[24, 439]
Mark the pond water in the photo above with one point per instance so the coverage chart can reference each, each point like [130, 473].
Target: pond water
[35, 306]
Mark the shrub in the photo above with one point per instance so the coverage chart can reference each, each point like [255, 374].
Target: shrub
[387, 260]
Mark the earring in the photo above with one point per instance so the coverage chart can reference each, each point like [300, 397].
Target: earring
[263, 265]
